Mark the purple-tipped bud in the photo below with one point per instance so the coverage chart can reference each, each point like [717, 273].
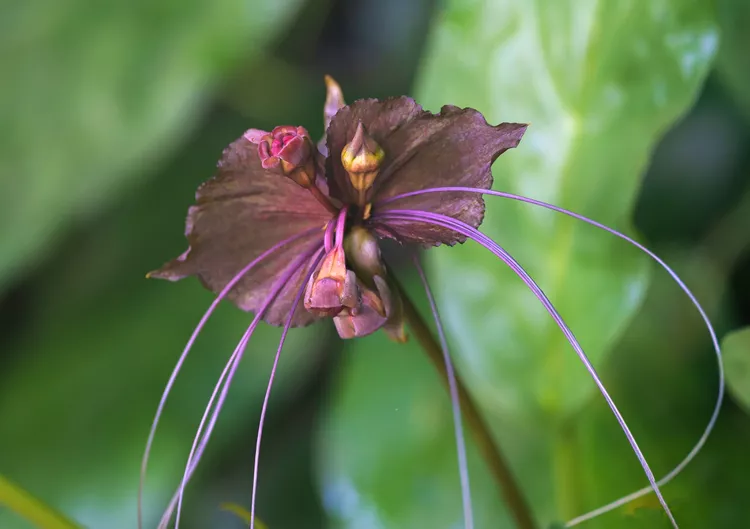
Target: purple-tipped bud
[333, 287]
[362, 158]
[288, 150]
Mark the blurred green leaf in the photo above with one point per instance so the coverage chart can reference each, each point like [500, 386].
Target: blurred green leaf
[89, 370]
[30, 508]
[388, 454]
[663, 375]
[643, 519]
[94, 387]
[388, 449]
[733, 61]
[92, 94]
[736, 348]
[600, 83]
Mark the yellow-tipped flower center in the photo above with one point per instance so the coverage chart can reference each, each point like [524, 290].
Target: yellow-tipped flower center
[362, 158]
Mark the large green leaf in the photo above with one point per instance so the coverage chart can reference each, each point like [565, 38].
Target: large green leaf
[737, 363]
[388, 454]
[388, 451]
[733, 62]
[92, 93]
[599, 82]
[669, 399]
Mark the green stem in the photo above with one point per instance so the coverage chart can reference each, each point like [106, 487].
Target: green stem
[566, 472]
[31, 509]
[493, 456]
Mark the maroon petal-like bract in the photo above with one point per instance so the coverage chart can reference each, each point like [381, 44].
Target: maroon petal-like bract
[241, 212]
[422, 150]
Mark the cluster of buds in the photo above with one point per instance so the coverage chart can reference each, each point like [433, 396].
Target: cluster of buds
[288, 150]
[359, 299]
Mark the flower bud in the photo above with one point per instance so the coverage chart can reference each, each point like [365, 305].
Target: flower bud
[288, 150]
[395, 326]
[363, 254]
[378, 309]
[362, 158]
[366, 318]
[333, 287]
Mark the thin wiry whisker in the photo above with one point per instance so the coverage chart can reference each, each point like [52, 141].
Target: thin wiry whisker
[470, 232]
[463, 467]
[714, 339]
[196, 451]
[271, 378]
[186, 350]
[200, 441]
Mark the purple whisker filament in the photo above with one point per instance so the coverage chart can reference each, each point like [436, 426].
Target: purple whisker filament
[267, 396]
[201, 440]
[196, 451]
[173, 376]
[463, 466]
[714, 340]
[472, 233]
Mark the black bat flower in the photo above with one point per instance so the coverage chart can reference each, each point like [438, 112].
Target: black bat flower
[290, 231]
[379, 149]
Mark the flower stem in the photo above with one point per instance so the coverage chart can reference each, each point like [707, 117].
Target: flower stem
[324, 200]
[566, 471]
[493, 456]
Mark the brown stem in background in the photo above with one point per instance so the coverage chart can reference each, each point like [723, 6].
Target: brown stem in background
[491, 452]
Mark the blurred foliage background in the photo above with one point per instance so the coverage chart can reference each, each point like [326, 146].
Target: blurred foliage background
[114, 112]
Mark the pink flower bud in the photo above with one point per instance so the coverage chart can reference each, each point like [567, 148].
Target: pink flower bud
[366, 318]
[333, 287]
[288, 150]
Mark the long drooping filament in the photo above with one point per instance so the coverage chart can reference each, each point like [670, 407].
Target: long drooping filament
[463, 467]
[715, 341]
[201, 439]
[472, 233]
[186, 350]
[271, 378]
